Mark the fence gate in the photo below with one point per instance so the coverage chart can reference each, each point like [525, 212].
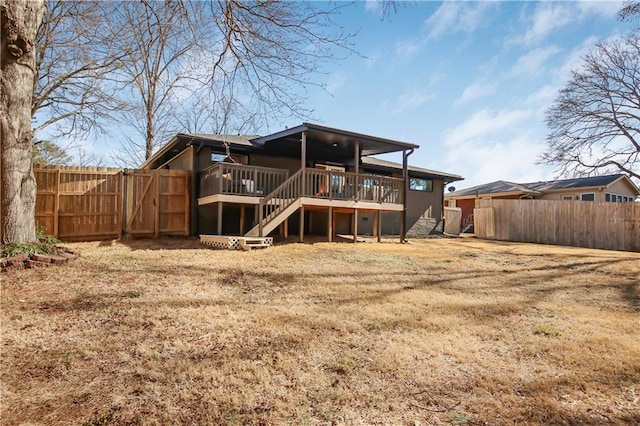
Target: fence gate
[96, 203]
[157, 202]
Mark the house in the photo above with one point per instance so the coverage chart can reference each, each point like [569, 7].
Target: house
[609, 188]
[310, 178]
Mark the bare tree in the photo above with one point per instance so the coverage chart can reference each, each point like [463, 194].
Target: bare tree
[630, 11]
[244, 63]
[595, 122]
[75, 59]
[19, 21]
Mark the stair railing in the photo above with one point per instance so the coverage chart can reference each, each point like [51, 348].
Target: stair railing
[279, 199]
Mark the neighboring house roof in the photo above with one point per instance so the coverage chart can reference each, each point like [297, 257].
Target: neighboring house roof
[538, 188]
[585, 182]
[497, 187]
[413, 170]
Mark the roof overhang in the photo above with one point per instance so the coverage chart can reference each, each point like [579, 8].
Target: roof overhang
[182, 141]
[332, 140]
[378, 165]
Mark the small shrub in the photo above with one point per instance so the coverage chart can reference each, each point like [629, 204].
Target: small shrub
[46, 245]
[546, 330]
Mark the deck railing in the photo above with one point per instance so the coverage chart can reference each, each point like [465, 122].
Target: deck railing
[335, 185]
[330, 185]
[231, 178]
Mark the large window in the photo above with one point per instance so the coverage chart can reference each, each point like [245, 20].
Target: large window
[615, 198]
[588, 196]
[420, 184]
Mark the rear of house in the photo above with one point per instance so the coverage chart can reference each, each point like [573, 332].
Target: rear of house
[308, 180]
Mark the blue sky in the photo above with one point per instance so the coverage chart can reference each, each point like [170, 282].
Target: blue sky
[467, 81]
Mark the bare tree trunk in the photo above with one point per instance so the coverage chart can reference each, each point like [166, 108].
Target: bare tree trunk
[19, 25]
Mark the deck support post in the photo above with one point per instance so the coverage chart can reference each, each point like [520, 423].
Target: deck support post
[242, 215]
[330, 224]
[376, 217]
[302, 224]
[220, 207]
[379, 225]
[355, 225]
[286, 228]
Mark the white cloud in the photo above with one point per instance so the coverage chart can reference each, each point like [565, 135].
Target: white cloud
[411, 99]
[335, 82]
[573, 60]
[533, 62]
[497, 145]
[405, 49]
[483, 123]
[453, 17]
[543, 96]
[547, 17]
[550, 16]
[374, 6]
[477, 89]
[607, 9]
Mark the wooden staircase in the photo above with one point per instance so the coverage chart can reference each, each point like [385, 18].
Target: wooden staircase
[277, 206]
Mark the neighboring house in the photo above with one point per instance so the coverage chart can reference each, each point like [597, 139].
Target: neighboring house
[610, 188]
[309, 179]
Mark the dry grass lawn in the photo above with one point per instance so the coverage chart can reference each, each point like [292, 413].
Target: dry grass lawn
[441, 331]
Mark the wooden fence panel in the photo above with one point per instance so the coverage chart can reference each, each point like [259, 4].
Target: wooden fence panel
[174, 203]
[89, 206]
[452, 220]
[484, 222]
[91, 203]
[613, 226]
[141, 202]
[47, 181]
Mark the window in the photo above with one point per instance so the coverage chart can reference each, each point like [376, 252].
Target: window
[420, 184]
[567, 197]
[615, 198]
[217, 157]
[220, 157]
[588, 196]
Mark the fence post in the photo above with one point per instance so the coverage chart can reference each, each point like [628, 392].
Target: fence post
[156, 202]
[56, 208]
[120, 202]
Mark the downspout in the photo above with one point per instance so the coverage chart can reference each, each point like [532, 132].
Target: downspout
[405, 175]
[444, 185]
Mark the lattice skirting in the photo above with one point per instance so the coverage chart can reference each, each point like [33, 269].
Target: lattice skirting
[235, 243]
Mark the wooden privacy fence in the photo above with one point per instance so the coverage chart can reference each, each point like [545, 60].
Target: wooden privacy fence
[452, 220]
[94, 203]
[612, 226]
